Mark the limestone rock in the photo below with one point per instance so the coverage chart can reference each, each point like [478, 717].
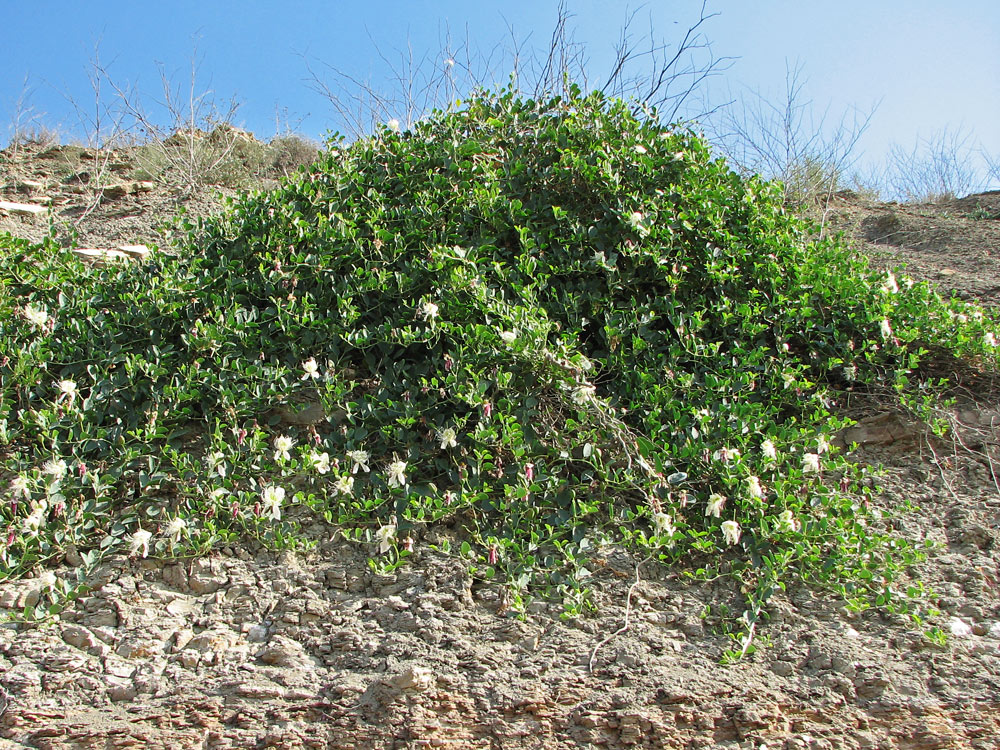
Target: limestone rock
[416, 679]
[100, 256]
[205, 577]
[139, 252]
[284, 652]
[215, 641]
[23, 209]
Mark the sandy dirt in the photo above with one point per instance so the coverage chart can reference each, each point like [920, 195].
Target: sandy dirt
[254, 649]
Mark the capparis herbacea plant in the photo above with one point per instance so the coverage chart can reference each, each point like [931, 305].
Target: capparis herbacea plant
[549, 325]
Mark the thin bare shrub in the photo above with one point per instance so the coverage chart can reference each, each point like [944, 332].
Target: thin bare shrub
[937, 168]
[27, 126]
[652, 71]
[788, 140]
[107, 129]
[188, 137]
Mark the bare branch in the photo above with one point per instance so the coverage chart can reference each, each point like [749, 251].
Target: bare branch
[787, 141]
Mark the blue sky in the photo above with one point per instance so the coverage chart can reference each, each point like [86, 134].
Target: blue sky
[927, 65]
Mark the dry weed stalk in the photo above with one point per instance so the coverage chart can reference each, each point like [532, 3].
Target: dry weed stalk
[655, 73]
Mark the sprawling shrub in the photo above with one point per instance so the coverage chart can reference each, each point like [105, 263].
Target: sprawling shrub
[549, 324]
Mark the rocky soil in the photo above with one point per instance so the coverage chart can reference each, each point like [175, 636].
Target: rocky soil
[249, 648]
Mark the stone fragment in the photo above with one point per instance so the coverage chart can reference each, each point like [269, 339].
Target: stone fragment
[141, 646]
[182, 638]
[183, 606]
[959, 628]
[782, 668]
[139, 252]
[204, 578]
[881, 429]
[65, 660]
[73, 557]
[120, 689]
[416, 679]
[99, 256]
[79, 636]
[116, 191]
[23, 209]
[18, 596]
[216, 641]
[257, 633]
[284, 652]
[118, 667]
[259, 689]
[176, 576]
[30, 186]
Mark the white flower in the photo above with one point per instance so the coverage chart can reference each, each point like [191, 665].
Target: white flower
[35, 521]
[886, 329]
[36, 316]
[345, 485]
[725, 455]
[218, 493]
[385, 535]
[989, 339]
[890, 284]
[584, 393]
[19, 487]
[822, 444]
[217, 462]
[175, 528]
[731, 531]
[788, 378]
[67, 390]
[55, 468]
[768, 450]
[787, 522]
[664, 524]
[754, 488]
[428, 311]
[320, 462]
[359, 459]
[393, 125]
[310, 368]
[715, 505]
[273, 497]
[140, 541]
[635, 219]
[282, 445]
[448, 438]
[810, 463]
[48, 580]
[397, 477]
[851, 373]
[640, 149]
[509, 337]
